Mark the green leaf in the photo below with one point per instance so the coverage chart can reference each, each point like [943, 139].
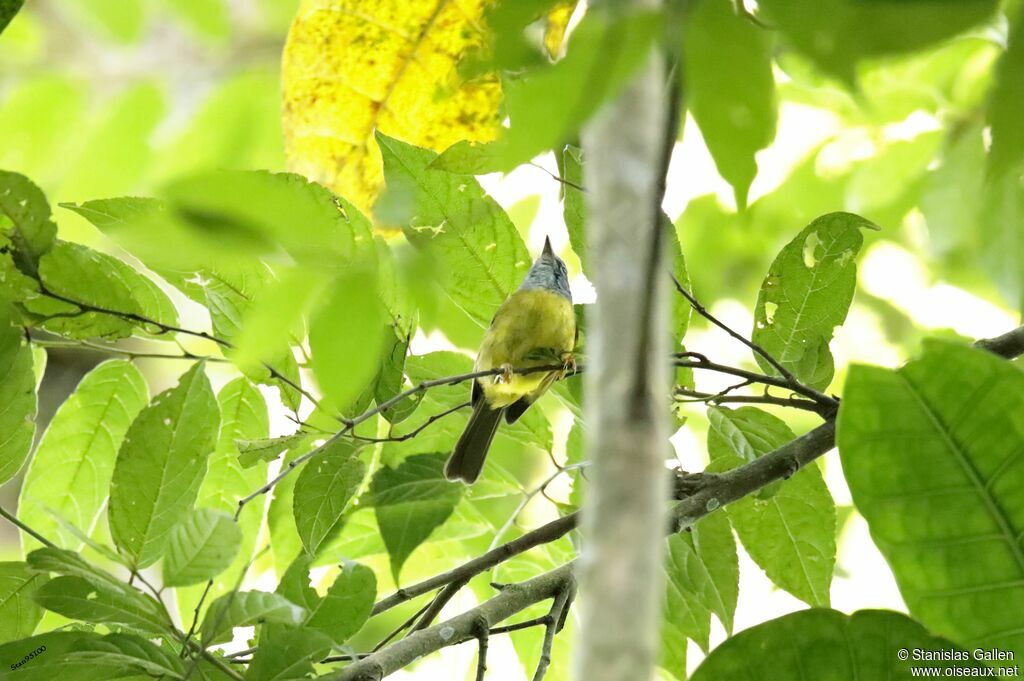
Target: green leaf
[347, 604]
[323, 491]
[98, 295]
[251, 452]
[304, 218]
[954, 194]
[391, 379]
[245, 609]
[806, 294]
[789, 532]
[80, 599]
[837, 34]
[1006, 106]
[17, 398]
[19, 613]
[574, 206]
[71, 469]
[87, 656]
[285, 543]
[201, 546]
[346, 336]
[161, 465]
[287, 654]
[550, 104]
[410, 502]
[1000, 229]
[702, 572]
[25, 218]
[931, 452]
[71, 563]
[464, 231]
[730, 89]
[827, 644]
[8, 8]
[294, 584]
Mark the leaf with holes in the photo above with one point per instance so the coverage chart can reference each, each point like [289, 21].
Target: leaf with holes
[789, 531]
[70, 472]
[161, 465]
[932, 454]
[806, 294]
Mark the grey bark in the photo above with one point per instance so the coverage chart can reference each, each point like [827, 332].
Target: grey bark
[627, 385]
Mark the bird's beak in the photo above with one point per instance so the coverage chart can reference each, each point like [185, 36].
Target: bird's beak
[548, 252]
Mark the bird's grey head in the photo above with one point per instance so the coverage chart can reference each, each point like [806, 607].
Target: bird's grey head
[548, 272]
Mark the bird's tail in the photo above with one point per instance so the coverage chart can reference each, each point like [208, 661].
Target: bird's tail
[467, 459]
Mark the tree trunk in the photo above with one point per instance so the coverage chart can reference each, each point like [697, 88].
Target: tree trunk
[627, 381]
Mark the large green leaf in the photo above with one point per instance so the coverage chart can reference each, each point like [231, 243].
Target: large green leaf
[702, 572]
[79, 599]
[548, 105]
[932, 454]
[323, 490]
[160, 466]
[25, 216]
[17, 398]
[245, 609]
[347, 604]
[790, 530]
[70, 471]
[826, 644]
[410, 502]
[806, 294]
[19, 613]
[730, 89]
[464, 231]
[574, 205]
[346, 337]
[95, 294]
[201, 546]
[839, 33]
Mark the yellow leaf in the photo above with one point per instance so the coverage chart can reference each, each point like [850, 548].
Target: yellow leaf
[555, 26]
[354, 66]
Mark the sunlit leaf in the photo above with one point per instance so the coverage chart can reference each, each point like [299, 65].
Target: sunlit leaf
[19, 613]
[323, 490]
[806, 294]
[71, 469]
[456, 224]
[161, 465]
[251, 452]
[730, 89]
[788, 530]
[287, 654]
[80, 599]
[390, 66]
[931, 452]
[827, 644]
[346, 606]
[410, 502]
[25, 218]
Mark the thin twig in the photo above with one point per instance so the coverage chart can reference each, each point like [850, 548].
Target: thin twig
[436, 604]
[403, 626]
[87, 346]
[416, 431]
[699, 361]
[718, 398]
[11, 518]
[792, 381]
[567, 183]
[481, 659]
[556, 619]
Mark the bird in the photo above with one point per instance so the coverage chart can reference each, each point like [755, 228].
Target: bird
[535, 326]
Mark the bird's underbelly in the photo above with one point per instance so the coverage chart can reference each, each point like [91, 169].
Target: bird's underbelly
[532, 328]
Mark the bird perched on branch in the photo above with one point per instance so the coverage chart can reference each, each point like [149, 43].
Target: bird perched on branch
[534, 327]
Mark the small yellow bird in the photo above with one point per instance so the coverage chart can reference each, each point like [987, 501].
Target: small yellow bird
[535, 326]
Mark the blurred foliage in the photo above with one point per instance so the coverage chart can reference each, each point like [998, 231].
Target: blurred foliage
[146, 211]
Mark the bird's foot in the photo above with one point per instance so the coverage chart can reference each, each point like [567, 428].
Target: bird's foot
[506, 374]
[568, 364]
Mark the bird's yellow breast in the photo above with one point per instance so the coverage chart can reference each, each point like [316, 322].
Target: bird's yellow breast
[528, 324]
